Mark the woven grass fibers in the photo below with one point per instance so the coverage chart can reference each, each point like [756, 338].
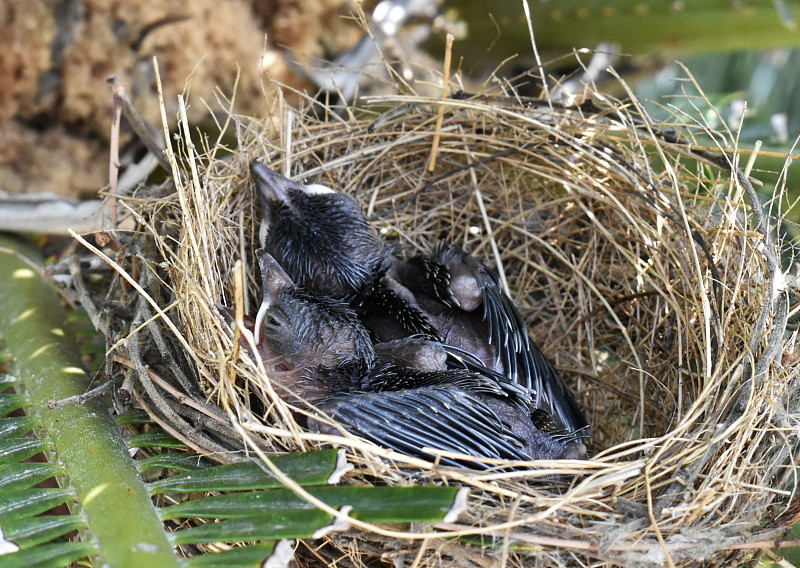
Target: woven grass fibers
[644, 269]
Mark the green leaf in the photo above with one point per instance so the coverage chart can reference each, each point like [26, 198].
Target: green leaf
[14, 450]
[25, 475]
[275, 525]
[49, 555]
[309, 468]
[792, 554]
[37, 530]
[15, 426]
[654, 26]
[178, 461]
[156, 438]
[252, 556]
[11, 402]
[133, 416]
[29, 502]
[370, 504]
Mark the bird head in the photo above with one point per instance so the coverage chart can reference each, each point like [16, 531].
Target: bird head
[319, 236]
[303, 332]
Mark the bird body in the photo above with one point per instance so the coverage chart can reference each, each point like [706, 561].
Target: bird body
[467, 304]
[317, 351]
[325, 243]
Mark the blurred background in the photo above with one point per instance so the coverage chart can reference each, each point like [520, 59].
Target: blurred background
[56, 57]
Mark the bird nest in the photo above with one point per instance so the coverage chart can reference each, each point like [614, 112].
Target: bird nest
[644, 269]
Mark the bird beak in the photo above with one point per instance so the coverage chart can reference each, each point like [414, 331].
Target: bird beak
[273, 278]
[272, 186]
[262, 312]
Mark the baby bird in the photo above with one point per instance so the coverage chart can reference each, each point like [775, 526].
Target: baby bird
[300, 334]
[319, 235]
[465, 301]
[314, 348]
[326, 243]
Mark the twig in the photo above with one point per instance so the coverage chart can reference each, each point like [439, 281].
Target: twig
[81, 398]
[487, 224]
[536, 52]
[113, 158]
[144, 132]
[437, 132]
[85, 298]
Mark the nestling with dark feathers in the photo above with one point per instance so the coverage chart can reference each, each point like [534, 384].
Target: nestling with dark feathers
[324, 241]
[317, 352]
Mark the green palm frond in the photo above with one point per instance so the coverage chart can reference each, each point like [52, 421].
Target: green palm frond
[70, 492]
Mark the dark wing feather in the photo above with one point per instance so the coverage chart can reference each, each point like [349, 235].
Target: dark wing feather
[523, 359]
[507, 331]
[397, 308]
[434, 417]
[391, 377]
[513, 391]
[436, 274]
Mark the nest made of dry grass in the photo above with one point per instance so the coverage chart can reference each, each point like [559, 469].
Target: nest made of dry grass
[643, 268]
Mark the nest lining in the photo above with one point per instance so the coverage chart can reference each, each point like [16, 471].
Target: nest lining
[638, 266]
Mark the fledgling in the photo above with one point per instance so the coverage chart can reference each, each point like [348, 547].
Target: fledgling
[314, 348]
[303, 231]
[465, 301]
[300, 334]
[326, 243]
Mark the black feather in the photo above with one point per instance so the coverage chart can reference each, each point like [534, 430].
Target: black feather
[434, 417]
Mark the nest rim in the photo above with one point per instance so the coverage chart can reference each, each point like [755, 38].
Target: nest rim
[625, 476]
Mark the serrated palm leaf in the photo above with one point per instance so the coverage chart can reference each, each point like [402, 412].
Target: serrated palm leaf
[252, 556]
[113, 520]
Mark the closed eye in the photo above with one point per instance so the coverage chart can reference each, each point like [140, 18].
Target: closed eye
[275, 329]
[271, 321]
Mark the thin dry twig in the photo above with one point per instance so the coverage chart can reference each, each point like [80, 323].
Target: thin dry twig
[113, 158]
[437, 131]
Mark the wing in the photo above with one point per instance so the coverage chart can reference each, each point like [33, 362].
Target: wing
[437, 417]
[390, 377]
[520, 396]
[520, 357]
[523, 360]
[459, 282]
[513, 391]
